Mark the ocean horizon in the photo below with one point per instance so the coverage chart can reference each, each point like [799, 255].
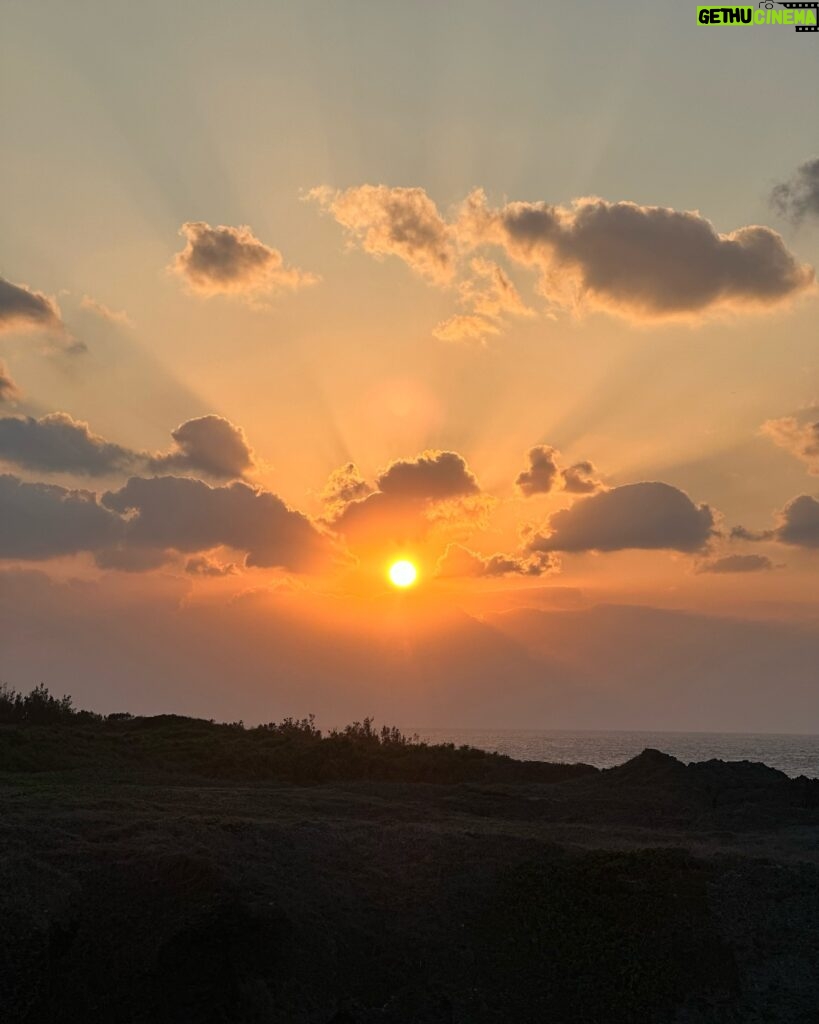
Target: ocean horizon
[792, 753]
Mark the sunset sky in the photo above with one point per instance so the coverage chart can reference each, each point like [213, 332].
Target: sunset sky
[523, 294]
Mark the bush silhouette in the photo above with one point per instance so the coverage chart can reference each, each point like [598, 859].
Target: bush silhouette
[38, 707]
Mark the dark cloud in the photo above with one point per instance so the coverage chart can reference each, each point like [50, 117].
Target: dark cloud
[21, 308]
[458, 561]
[209, 444]
[544, 473]
[232, 261]
[142, 525]
[39, 521]
[800, 439]
[580, 478]
[799, 523]
[9, 392]
[540, 477]
[641, 261]
[59, 444]
[736, 563]
[410, 495]
[798, 198]
[431, 476]
[201, 565]
[190, 516]
[643, 515]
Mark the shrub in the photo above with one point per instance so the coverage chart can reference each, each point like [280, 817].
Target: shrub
[38, 707]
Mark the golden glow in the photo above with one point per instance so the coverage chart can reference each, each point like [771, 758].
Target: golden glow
[403, 573]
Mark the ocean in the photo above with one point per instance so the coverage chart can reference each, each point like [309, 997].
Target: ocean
[790, 753]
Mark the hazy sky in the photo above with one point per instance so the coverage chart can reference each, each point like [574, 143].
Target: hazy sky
[521, 292]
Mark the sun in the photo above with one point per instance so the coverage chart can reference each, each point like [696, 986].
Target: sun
[403, 573]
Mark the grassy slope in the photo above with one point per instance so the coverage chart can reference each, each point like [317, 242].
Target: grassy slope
[292, 751]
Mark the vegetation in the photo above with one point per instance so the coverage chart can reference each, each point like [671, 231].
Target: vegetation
[38, 707]
[40, 732]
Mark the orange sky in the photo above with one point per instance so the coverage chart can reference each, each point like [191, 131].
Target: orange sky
[267, 329]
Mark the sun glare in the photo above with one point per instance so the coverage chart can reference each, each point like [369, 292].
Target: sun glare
[403, 573]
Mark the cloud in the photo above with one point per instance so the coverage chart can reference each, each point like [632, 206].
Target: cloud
[544, 474]
[59, 444]
[798, 198]
[741, 533]
[579, 478]
[736, 563]
[9, 392]
[643, 515]
[642, 261]
[458, 561]
[470, 512]
[113, 316]
[39, 521]
[540, 477]
[201, 565]
[402, 222]
[489, 295]
[489, 291]
[232, 261]
[638, 262]
[801, 440]
[465, 327]
[56, 443]
[23, 309]
[432, 475]
[406, 223]
[799, 523]
[141, 525]
[191, 516]
[132, 559]
[344, 485]
[412, 494]
[208, 444]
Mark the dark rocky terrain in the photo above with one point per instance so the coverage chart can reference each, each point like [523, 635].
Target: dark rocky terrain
[170, 871]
